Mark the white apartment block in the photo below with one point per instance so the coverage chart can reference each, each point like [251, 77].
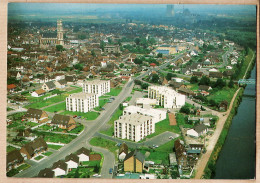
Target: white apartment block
[81, 102]
[166, 97]
[156, 114]
[99, 87]
[145, 102]
[133, 127]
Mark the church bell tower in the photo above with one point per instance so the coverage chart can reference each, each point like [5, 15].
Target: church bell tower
[60, 32]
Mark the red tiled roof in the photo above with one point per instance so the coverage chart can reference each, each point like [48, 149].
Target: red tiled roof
[11, 86]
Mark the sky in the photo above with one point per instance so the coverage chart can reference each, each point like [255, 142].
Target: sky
[71, 7]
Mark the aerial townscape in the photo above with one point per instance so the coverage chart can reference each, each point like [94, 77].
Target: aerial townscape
[113, 94]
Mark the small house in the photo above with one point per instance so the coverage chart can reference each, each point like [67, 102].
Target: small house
[123, 151]
[33, 148]
[46, 173]
[48, 86]
[63, 122]
[198, 130]
[36, 115]
[38, 93]
[83, 154]
[72, 161]
[13, 159]
[134, 162]
[59, 168]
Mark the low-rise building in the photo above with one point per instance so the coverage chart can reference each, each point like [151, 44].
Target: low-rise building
[59, 168]
[166, 97]
[123, 151]
[99, 87]
[156, 114]
[36, 115]
[72, 161]
[134, 162]
[13, 159]
[133, 127]
[198, 130]
[33, 148]
[38, 93]
[83, 154]
[82, 102]
[48, 86]
[46, 173]
[63, 122]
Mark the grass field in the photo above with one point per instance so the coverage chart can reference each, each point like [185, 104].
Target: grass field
[91, 115]
[114, 91]
[39, 157]
[180, 119]
[57, 108]
[56, 138]
[224, 94]
[43, 103]
[115, 116]
[47, 153]
[55, 147]
[100, 142]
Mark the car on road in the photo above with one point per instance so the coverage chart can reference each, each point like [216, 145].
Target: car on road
[171, 137]
[118, 144]
[74, 116]
[110, 170]
[102, 108]
[113, 98]
[155, 146]
[79, 117]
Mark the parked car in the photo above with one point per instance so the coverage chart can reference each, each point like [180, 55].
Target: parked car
[79, 117]
[110, 170]
[155, 146]
[171, 137]
[118, 144]
[74, 116]
[102, 108]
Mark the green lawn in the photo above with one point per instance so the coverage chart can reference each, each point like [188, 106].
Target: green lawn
[77, 130]
[42, 103]
[224, 94]
[91, 115]
[57, 108]
[163, 126]
[56, 138]
[91, 163]
[156, 156]
[44, 127]
[23, 167]
[100, 142]
[128, 98]
[115, 116]
[114, 91]
[167, 147]
[31, 124]
[10, 148]
[47, 153]
[55, 147]
[180, 119]
[194, 87]
[39, 157]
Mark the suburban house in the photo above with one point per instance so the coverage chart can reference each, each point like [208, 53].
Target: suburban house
[99, 87]
[156, 114]
[11, 88]
[186, 91]
[83, 154]
[198, 130]
[181, 154]
[71, 79]
[126, 73]
[49, 86]
[46, 173]
[215, 74]
[36, 115]
[13, 159]
[38, 93]
[33, 148]
[134, 162]
[195, 149]
[123, 151]
[82, 102]
[61, 83]
[204, 88]
[133, 127]
[72, 161]
[63, 122]
[166, 97]
[176, 85]
[59, 168]
[198, 74]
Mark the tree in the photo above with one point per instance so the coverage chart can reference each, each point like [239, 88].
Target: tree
[159, 55]
[102, 45]
[231, 84]
[155, 78]
[194, 79]
[144, 85]
[220, 83]
[76, 173]
[213, 102]
[185, 109]
[137, 41]
[59, 47]
[170, 75]
[138, 61]
[93, 53]
[204, 81]
[121, 65]
[96, 169]
[78, 67]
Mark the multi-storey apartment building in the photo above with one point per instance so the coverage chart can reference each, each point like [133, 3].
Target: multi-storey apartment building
[166, 97]
[99, 87]
[156, 114]
[134, 127]
[81, 102]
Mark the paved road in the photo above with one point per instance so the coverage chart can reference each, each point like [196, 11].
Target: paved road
[157, 140]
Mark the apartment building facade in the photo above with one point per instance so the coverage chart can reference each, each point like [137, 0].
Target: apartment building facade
[99, 87]
[133, 127]
[166, 97]
[81, 102]
[156, 114]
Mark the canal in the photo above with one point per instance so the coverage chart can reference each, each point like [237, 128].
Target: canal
[237, 157]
